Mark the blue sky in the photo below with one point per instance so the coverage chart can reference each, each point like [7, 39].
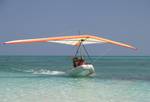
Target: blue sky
[121, 20]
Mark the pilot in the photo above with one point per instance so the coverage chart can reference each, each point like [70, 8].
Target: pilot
[78, 61]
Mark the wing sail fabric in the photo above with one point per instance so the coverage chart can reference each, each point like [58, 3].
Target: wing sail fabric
[71, 40]
[75, 41]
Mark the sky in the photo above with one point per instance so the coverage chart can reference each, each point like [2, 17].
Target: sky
[121, 20]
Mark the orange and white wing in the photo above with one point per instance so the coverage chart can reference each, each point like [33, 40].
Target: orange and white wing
[71, 40]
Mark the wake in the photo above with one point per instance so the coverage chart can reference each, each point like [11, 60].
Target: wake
[41, 71]
[48, 72]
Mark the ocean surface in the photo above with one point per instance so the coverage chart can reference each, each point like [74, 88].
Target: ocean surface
[44, 79]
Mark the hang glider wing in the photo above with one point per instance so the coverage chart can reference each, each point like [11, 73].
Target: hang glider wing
[71, 40]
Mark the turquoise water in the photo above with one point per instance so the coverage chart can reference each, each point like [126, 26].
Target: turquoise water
[44, 79]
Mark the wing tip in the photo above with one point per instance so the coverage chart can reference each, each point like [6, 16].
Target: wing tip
[134, 48]
[2, 43]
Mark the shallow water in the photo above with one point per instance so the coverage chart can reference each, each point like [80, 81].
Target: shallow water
[44, 79]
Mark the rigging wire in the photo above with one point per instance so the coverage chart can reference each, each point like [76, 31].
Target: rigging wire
[87, 53]
[103, 54]
[80, 48]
